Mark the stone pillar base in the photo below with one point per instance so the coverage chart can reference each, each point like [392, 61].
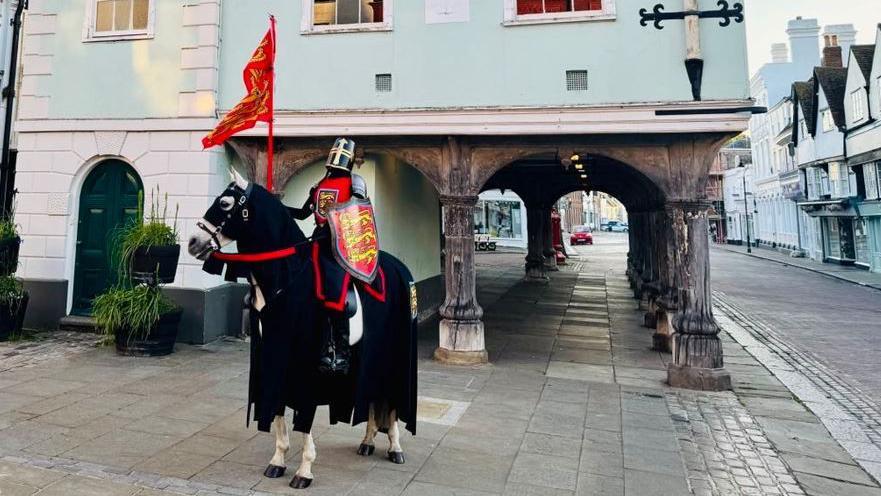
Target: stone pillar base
[698, 378]
[536, 274]
[453, 357]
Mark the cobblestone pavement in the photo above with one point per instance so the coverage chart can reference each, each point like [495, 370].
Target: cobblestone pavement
[42, 347]
[573, 403]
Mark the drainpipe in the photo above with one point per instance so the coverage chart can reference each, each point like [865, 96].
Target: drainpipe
[7, 172]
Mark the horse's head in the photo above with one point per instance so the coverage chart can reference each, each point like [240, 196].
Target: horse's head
[225, 220]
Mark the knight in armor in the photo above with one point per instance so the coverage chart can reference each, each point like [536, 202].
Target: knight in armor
[338, 185]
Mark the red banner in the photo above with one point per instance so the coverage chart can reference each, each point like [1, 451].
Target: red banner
[257, 104]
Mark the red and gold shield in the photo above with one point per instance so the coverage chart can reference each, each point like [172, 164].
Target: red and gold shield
[354, 237]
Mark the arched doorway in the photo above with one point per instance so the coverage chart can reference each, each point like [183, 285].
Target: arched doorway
[110, 197]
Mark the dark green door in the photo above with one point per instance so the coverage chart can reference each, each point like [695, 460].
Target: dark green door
[109, 199]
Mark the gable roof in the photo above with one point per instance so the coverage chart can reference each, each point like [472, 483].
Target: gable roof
[803, 96]
[864, 55]
[833, 80]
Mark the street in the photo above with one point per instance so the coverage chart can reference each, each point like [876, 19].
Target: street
[835, 321]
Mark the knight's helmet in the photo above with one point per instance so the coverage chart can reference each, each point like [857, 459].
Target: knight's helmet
[342, 155]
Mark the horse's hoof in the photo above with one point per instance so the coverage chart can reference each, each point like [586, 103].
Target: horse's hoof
[300, 482]
[366, 449]
[274, 471]
[396, 457]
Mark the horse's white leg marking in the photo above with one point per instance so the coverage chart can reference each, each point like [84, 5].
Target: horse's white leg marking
[370, 435]
[282, 441]
[305, 469]
[356, 323]
[394, 435]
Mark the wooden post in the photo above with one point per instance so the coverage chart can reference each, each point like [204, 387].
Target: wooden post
[535, 261]
[461, 328]
[697, 349]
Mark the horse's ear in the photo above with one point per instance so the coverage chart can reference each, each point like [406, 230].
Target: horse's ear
[237, 178]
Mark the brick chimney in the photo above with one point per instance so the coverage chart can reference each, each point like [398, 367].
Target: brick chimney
[832, 57]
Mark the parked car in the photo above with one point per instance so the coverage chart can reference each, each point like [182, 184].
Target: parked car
[581, 236]
[618, 227]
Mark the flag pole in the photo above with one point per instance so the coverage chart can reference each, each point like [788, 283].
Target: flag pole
[271, 144]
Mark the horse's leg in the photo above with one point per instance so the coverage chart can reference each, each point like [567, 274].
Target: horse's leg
[395, 453]
[303, 478]
[367, 447]
[276, 466]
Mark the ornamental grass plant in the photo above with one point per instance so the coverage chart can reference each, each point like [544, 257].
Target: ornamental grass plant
[153, 230]
[132, 310]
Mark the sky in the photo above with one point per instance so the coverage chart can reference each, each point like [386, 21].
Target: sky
[766, 21]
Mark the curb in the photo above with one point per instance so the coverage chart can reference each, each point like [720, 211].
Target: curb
[810, 269]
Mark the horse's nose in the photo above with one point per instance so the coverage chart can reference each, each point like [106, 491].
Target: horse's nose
[193, 246]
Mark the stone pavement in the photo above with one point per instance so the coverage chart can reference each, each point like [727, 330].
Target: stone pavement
[573, 402]
[843, 272]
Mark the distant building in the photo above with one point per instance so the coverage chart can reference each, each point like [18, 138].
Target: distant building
[571, 208]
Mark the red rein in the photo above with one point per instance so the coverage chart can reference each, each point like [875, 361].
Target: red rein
[255, 257]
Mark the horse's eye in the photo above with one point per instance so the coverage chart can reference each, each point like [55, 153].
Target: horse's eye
[227, 202]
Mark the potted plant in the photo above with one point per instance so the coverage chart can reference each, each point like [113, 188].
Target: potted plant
[141, 320]
[9, 245]
[149, 251]
[13, 305]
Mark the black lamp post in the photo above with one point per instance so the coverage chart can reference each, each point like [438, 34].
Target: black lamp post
[749, 248]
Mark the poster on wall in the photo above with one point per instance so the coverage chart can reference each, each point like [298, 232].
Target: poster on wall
[443, 11]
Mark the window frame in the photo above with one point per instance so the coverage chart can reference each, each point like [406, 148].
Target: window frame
[858, 110]
[90, 33]
[307, 21]
[511, 18]
[827, 120]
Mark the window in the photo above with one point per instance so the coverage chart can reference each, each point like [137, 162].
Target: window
[828, 121]
[539, 11]
[576, 80]
[556, 6]
[119, 19]
[870, 177]
[857, 108]
[499, 219]
[346, 15]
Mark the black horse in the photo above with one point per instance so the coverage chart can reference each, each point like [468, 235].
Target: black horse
[288, 314]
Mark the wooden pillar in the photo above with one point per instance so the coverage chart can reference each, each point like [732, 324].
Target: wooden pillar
[651, 289]
[550, 254]
[697, 349]
[666, 302]
[535, 262]
[461, 328]
[636, 235]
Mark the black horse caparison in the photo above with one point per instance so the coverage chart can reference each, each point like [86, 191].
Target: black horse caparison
[280, 266]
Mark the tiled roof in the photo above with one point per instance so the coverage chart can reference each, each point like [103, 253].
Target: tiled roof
[833, 80]
[864, 55]
[803, 94]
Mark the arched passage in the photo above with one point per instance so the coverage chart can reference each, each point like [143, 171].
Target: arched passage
[407, 208]
[111, 197]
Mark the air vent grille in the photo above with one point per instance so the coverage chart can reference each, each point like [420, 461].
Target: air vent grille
[576, 80]
[383, 83]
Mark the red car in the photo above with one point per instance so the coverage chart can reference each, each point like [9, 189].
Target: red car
[581, 235]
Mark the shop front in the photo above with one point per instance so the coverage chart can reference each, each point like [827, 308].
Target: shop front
[502, 217]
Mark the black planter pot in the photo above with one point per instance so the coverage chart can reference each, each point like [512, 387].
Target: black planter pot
[155, 264]
[159, 342]
[12, 317]
[9, 255]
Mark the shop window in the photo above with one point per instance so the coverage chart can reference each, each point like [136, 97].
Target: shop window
[499, 218]
[531, 11]
[119, 19]
[346, 15]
